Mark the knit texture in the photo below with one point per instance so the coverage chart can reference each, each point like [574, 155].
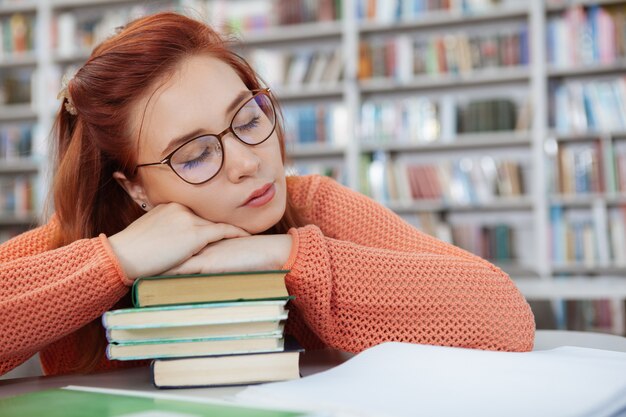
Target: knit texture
[360, 274]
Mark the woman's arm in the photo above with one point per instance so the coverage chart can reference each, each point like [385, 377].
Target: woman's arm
[47, 294]
[361, 276]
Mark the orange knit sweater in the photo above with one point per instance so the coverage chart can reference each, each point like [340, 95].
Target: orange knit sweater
[360, 275]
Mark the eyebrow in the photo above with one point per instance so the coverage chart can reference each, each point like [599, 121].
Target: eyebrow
[176, 142]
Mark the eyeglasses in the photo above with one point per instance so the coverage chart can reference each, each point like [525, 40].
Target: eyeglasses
[200, 159]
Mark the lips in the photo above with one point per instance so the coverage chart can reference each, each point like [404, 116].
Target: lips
[261, 196]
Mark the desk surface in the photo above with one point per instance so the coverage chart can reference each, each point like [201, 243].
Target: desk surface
[138, 379]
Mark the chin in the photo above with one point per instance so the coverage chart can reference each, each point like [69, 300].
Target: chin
[265, 221]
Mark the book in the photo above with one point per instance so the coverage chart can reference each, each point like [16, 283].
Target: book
[218, 330]
[199, 347]
[194, 314]
[95, 402]
[224, 370]
[204, 288]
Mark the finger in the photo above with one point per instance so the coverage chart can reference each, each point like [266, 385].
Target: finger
[219, 231]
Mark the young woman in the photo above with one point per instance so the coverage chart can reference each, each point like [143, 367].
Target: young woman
[170, 160]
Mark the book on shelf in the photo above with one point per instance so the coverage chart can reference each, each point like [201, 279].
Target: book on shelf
[388, 11]
[223, 370]
[478, 180]
[74, 401]
[579, 169]
[17, 34]
[588, 315]
[16, 195]
[592, 35]
[16, 140]
[405, 57]
[16, 85]
[330, 169]
[315, 124]
[618, 165]
[306, 67]
[493, 242]
[588, 106]
[446, 119]
[578, 237]
[203, 288]
[617, 232]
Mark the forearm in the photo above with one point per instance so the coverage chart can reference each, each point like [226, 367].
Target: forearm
[51, 294]
[353, 297]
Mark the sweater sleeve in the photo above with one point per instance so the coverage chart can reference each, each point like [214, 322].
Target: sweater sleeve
[362, 276]
[48, 294]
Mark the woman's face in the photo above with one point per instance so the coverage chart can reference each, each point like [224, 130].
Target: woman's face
[200, 98]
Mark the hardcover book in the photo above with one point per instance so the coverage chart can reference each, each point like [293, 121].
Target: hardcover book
[219, 330]
[204, 288]
[224, 370]
[200, 347]
[195, 314]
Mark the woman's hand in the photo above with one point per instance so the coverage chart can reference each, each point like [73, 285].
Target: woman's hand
[252, 253]
[164, 237]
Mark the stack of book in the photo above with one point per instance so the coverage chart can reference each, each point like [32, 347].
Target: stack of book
[206, 329]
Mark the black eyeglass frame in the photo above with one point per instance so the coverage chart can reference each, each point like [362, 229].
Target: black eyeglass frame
[167, 160]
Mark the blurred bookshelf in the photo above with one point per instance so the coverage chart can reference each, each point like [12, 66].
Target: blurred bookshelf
[496, 125]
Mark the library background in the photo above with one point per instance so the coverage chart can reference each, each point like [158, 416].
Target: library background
[497, 125]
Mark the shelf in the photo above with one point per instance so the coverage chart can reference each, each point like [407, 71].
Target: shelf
[618, 67]
[463, 141]
[616, 200]
[11, 220]
[75, 58]
[585, 136]
[576, 200]
[491, 76]
[573, 288]
[314, 150]
[15, 166]
[14, 112]
[575, 268]
[71, 4]
[18, 7]
[306, 92]
[443, 20]
[291, 33]
[553, 8]
[515, 270]
[18, 60]
[499, 204]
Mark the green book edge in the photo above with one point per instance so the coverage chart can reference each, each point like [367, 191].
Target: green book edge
[134, 294]
[66, 402]
[218, 304]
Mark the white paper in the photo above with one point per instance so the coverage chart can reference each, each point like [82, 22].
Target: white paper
[401, 379]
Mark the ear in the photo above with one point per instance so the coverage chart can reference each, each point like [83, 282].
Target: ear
[134, 189]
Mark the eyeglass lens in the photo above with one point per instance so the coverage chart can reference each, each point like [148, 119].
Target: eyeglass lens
[201, 159]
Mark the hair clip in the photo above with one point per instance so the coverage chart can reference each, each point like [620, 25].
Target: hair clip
[64, 94]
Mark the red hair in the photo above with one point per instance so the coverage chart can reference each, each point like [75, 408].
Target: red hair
[96, 142]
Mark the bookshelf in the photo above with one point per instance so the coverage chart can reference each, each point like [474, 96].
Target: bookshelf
[349, 67]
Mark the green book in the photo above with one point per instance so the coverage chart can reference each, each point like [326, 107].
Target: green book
[195, 314]
[206, 288]
[66, 402]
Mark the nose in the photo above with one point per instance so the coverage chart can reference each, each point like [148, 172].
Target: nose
[241, 160]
